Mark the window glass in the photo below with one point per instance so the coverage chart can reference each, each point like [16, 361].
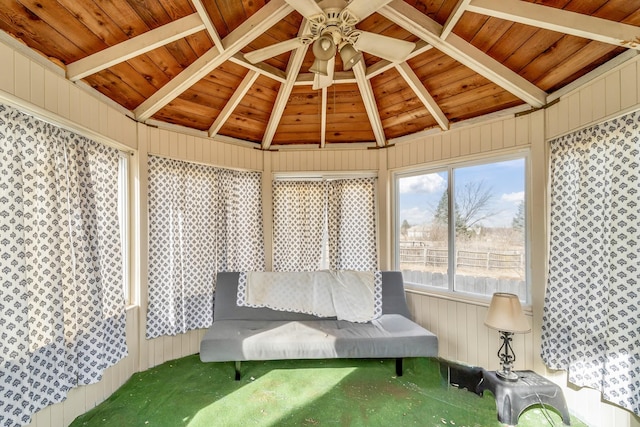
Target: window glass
[423, 242]
[489, 231]
[475, 242]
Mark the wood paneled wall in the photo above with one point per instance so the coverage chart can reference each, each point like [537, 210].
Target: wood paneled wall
[28, 79]
[191, 148]
[499, 135]
[612, 94]
[324, 160]
[33, 83]
[462, 335]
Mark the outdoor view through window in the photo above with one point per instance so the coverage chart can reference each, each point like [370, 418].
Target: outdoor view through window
[486, 252]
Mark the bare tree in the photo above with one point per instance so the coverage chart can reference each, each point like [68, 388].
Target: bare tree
[473, 203]
[471, 206]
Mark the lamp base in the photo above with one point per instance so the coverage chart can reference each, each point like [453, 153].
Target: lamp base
[505, 375]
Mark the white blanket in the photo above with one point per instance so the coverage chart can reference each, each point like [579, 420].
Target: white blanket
[348, 295]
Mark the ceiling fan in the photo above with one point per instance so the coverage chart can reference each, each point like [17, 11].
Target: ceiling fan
[332, 29]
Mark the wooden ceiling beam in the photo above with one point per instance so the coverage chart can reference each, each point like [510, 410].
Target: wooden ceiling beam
[429, 30]
[421, 92]
[339, 77]
[260, 68]
[206, 19]
[293, 68]
[453, 19]
[249, 30]
[134, 47]
[369, 100]
[563, 21]
[233, 102]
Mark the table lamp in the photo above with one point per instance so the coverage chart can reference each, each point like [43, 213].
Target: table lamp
[506, 316]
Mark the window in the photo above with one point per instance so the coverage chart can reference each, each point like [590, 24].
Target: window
[463, 228]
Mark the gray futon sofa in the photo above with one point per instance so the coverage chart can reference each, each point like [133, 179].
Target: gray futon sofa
[243, 333]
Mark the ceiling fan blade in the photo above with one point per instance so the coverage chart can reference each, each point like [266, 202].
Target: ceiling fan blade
[363, 8]
[260, 55]
[306, 8]
[394, 50]
[320, 81]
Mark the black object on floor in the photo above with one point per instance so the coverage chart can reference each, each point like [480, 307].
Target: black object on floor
[461, 376]
[514, 397]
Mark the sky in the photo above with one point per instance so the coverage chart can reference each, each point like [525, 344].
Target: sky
[420, 194]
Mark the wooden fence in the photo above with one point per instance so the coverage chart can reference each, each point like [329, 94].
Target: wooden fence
[504, 260]
[479, 285]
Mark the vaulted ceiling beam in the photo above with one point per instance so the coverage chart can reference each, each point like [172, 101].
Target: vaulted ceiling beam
[233, 102]
[421, 92]
[563, 21]
[339, 77]
[260, 68]
[427, 29]
[293, 68]
[249, 30]
[369, 100]
[454, 17]
[206, 19]
[136, 46]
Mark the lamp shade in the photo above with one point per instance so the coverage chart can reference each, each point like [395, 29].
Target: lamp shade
[324, 48]
[505, 314]
[349, 56]
[320, 67]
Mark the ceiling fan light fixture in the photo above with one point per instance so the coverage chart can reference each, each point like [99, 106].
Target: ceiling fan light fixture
[350, 56]
[324, 48]
[320, 66]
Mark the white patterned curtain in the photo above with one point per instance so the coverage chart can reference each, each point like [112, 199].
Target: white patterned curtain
[201, 220]
[299, 218]
[62, 319]
[352, 224]
[590, 324]
[240, 238]
[336, 216]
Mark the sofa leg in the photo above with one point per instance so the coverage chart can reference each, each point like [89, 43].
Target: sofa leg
[237, 370]
[399, 366]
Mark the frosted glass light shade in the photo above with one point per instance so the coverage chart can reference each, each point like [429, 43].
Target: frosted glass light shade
[505, 314]
[350, 56]
[320, 67]
[324, 48]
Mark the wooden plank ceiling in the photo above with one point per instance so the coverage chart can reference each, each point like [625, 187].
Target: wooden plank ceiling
[181, 62]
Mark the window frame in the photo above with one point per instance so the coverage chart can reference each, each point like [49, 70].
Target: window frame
[449, 168]
[125, 224]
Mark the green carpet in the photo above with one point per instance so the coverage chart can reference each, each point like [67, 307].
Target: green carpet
[186, 392]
